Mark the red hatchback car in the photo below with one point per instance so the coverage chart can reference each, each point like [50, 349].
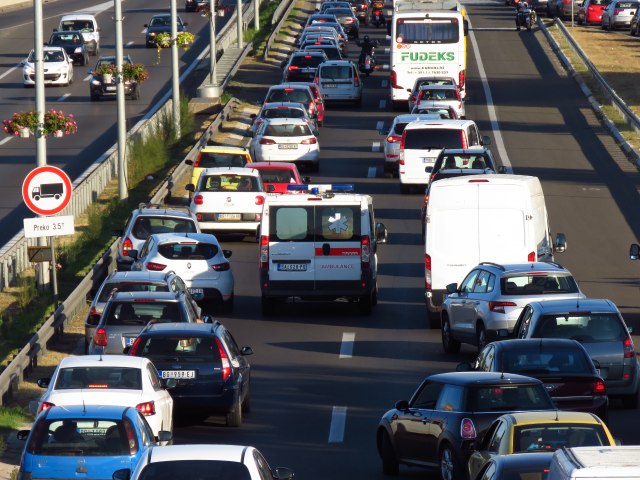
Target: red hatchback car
[590, 13]
[277, 176]
[317, 99]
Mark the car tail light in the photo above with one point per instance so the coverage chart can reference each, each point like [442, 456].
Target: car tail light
[468, 429]
[292, 67]
[413, 98]
[599, 388]
[147, 408]
[155, 267]
[628, 348]
[461, 79]
[394, 138]
[309, 141]
[498, 307]
[402, 142]
[259, 200]
[267, 141]
[226, 366]
[264, 252]
[134, 347]
[531, 257]
[126, 246]
[365, 6]
[198, 200]
[365, 252]
[307, 57]
[349, 20]
[46, 406]
[288, 90]
[100, 337]
[221, 267]
[463, 137]
[132, 441]
[427, 271]
[617, 11]
[196, 164]
[356, 82]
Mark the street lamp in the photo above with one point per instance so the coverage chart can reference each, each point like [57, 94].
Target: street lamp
[212, 89]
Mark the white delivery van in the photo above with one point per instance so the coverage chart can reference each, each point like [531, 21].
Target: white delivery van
[319, 245]
[482, 218]
[85, 23]
[620, 462]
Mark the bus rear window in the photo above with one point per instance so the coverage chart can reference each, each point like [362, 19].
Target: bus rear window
[426, 30]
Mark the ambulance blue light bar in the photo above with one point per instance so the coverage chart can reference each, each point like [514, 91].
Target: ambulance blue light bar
[321, 188]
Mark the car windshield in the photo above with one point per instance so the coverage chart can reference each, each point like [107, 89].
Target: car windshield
[444, 113]
[226, 183]
[289, 95]
[99, 378]
[65, 39]
[178, 349]
[432, 138]
[287, 130]
[538, 284]
[147, 225]
[277, 175]
[195, 470]
[83, 437]
[536, 360]
[283, 112]
[503, 398]
[547, 438]
[160, 22]
[143, 312]
[463, 161]
[82, 25]
[130, 287]
[188, 251]
[582, 326]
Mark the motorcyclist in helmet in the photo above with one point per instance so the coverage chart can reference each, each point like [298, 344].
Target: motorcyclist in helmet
[367, 48]
[521, 6]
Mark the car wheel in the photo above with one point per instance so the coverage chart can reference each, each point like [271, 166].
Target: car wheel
[246, 403]
[481, 336]
[449, 466]
[390, 465]
[234, 418]
[631, 401]
[448, 343]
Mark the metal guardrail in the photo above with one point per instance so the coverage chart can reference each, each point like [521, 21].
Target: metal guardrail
[283, 18]
[629, 115]
[87, 187]
[28, 356]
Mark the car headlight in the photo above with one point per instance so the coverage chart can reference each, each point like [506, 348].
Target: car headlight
[152, 34]
[78, 50]
[96, 83]
[29, 71]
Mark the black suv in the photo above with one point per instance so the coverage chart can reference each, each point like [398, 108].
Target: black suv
[212, 372]
[73, 43]
[302, 66]
[437, 428]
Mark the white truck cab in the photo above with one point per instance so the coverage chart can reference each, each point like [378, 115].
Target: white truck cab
[612, 463]
[319, 245]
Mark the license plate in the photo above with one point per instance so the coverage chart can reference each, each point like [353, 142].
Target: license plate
[128, 341]
[292, 267]
[110, 89]
[287, 146]
[427, 160]
[229, 216]
[178, 374]
[196, 291]
[329, 85]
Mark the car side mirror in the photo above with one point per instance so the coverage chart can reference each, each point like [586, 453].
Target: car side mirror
[402, 405]
[486, 140]
[409, 90]
[503, 333]
[146, 25]
[250, 133]
[227, 253]
[190, 187]
[560, 243]
[464, 367]
[253, 116]
[23, 434]
[246, 351]
[271, 188]
[122, 474]
[168, 383]
[502, 169]
[381, 233]
[164, 435]
[284, 473]
[634, 251]
[22, 63]
[133, 254]
[452, 288]
[207, 319]
[283, 63]
[188, 162]
[43, 382]
[428, 169]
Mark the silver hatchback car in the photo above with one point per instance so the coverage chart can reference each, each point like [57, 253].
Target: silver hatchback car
[598, 325]
[491, 297]
[618, 14]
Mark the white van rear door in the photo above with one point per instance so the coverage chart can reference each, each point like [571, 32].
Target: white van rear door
[337, 245]
[415, 162]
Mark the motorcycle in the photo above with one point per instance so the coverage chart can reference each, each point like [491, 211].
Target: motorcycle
[377, 18]
[525, 17]
[367, 65]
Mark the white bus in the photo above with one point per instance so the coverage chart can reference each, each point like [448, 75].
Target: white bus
[428, 38]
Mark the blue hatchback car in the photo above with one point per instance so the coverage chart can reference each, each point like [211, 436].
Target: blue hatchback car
[85, 441]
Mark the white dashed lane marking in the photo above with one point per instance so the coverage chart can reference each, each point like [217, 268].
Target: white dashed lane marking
[346, 347]
[387, 49]
[372, 173]
[380, 125]
[129, 43]
[382, 105]
[385, 66]
[87, 78]
[375, 147]
[338, 421]
[7, 72]
[63, 97]
[385, 83]
[5, 140]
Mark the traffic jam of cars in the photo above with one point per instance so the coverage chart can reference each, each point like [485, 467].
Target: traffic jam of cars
[533, 404]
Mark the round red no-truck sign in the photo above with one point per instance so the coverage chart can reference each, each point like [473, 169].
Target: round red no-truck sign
[46, 190]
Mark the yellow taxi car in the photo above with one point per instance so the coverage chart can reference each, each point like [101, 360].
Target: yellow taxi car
[531, 432]
[218, 156]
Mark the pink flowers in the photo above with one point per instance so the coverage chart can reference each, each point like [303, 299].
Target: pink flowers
[54, 121]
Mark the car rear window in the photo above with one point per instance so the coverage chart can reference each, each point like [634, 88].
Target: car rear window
[209, 160]
[497, 398]
[582, 326]
[547, 438]
[130, 287]
[277, 175]
[307, 224]
[198, 469]
[142, 312]
[226, 183]
[399, 128]
[336, 72]
[183, 348]
[444, 113]
[536, 360]
[307, 61]
[85, 437]
[432, 138]
[99, 378]
[332, 52]
[146, 225]
[434, 81]
[438, 94]
[65, 39]
[289, 95]
[538, 284]
[188, 251]
[340, 11]
[287, 130]
[283, 112]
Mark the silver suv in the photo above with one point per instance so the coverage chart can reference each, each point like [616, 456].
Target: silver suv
[492, 296]
[146, 220]
[598, 325]
[132, 282]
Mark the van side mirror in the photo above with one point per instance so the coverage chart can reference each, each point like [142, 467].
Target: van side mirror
[634, 251]
[486, 140]
[190, 187]
[381, 233]
[428, 169]
[246, 351]
[561, 243]
[452, 288]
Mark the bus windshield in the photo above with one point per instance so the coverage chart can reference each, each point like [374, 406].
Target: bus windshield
[427, 30]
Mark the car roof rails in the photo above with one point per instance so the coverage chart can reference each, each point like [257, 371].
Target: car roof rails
[492, 264]
[328, 189]
[160, 206]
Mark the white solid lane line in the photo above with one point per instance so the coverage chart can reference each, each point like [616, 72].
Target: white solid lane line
[371, 173]
[63, 97]
[385, 83]
[375, 147]
[380, 125]
[382, 105]
[346, 347]
[490, 107]
[385, 66]
[5, 140]
[87, 78]
[8, 72]
[387, 49]
[338, 421]
[128, 44]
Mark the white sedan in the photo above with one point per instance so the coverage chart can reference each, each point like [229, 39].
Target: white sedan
[58, 67]
[111, 380]
[222, 462]
[286, 140]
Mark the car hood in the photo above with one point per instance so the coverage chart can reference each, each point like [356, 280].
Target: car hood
[52, 66]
